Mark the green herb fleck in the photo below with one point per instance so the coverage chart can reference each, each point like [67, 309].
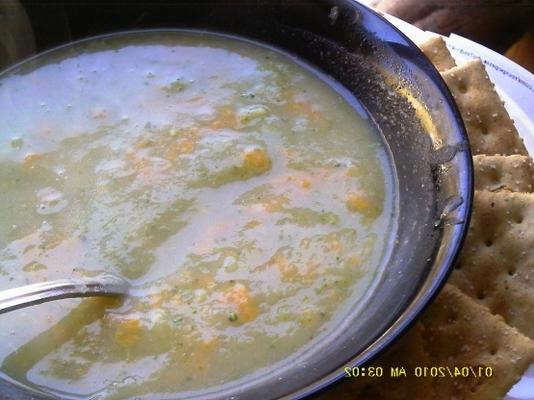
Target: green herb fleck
[232, 317]
[177, 86]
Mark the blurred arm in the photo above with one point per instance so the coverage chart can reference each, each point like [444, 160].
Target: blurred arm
[496, 24]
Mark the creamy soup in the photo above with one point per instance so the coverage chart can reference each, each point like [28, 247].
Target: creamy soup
[242, 194]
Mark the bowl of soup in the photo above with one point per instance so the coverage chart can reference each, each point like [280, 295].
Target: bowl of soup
[285, 187]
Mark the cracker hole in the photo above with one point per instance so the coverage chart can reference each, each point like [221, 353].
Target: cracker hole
[493, 351]
[453, 316]
[511, 271]
[481, 295]
[495, 176]
[462, 87]
[484, 129]
[519, 219]
[488, 243]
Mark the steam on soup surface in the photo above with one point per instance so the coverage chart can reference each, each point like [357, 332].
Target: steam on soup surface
[241, 195]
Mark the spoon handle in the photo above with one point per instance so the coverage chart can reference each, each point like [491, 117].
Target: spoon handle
[37, 293]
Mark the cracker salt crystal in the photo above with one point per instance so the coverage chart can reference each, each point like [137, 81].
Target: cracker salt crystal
[496, 265]
[436, 51]
[489, 127]
[459, 332]
[513, 173]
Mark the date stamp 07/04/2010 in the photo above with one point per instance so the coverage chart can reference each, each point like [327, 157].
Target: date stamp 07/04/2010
[466, 371]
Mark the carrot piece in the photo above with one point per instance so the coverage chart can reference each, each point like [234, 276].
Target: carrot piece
[225, 118]
[257, 160]
[30, 160]
[358, 203]
[305, 183]
[239, 297]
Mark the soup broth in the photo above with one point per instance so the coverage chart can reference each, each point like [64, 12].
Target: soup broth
[241, 193]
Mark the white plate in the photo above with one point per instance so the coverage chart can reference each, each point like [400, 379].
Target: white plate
[515, 85]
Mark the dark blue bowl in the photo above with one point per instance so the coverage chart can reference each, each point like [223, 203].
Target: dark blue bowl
[411, 107]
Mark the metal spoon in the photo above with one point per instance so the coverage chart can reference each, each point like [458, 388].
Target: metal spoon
[37, 293]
